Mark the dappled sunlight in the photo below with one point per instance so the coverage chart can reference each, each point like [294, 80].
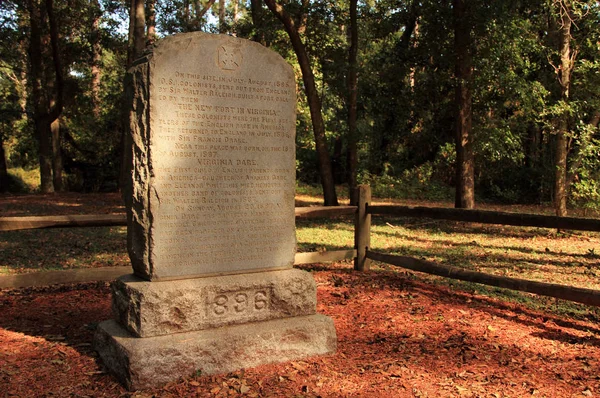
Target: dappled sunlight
[64, 248]
[527, 253]
[25, 343]
[315, 236]
[63, 203]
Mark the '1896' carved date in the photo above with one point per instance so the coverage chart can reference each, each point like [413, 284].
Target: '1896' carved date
[239, 303]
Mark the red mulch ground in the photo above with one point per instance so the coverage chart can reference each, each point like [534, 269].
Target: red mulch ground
[397, 337]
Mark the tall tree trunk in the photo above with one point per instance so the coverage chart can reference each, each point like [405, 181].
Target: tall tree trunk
[257, 20]
[96, 57]
[43, 134]
[38, 97]
[561, 142]
[135, 48]
[352, 83]
[57, 161]
[56, 104]
[222, 27]
[44, 110]
[151, 30]
[130, 34]
[314, 102]
[139, 30]
[236, 6]
[3, 168]
[465, 162]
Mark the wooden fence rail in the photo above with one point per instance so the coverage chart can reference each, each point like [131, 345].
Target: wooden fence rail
[119, 220]
[488, 217]
[46, 278]
[361, 253]
[111, 220]
[580, 295]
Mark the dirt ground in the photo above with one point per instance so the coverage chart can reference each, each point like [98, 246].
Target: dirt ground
[399, 335]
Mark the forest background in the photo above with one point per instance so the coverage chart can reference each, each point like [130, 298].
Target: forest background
[465, 99]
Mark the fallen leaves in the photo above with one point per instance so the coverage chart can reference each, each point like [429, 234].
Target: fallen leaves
[397, 336]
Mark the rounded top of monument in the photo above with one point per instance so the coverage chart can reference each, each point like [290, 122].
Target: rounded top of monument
[228, 53]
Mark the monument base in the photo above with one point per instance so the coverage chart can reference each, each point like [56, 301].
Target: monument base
[153, 361]
[149, 309]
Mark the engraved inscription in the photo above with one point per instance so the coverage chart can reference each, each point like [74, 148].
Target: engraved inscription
[238, 304]
[223, 148]
[229, 57]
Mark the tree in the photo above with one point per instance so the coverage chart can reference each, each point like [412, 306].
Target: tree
[573, 117]
[256, 12]
[3, 170]
[465, 159]
[314, 102]
[564, 23]
[222, 25]
[47, 96]
[13, 96]
[352, 151]
[96, 55]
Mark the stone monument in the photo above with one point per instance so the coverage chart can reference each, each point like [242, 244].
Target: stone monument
[211, 225]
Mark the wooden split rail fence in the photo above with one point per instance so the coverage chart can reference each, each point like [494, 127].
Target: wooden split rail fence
[361, 252]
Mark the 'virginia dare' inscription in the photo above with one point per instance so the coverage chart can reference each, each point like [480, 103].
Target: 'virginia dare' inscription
[213, 160]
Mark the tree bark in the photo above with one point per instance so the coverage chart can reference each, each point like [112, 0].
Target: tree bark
[257, 20]
[222, 27]
[561, 142]
[352, 83]
[57, 161]
[135, 47]
[314, 102]
[139, 30]
[38, 99]
[56, 104]
[130, 34]
[236, 6]
[151, 30]
[46, 108]
[3, 168]
[465, 161]
[96, 58]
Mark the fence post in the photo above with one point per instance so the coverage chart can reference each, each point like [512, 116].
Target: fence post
[362, 229]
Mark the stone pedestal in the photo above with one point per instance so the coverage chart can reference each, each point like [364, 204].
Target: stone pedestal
[148, 309]
[172, 329]
[153, 361]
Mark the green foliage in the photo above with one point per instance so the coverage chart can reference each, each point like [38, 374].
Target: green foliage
[405, 94]
[416, 183]
[586, 185]
[23, 181]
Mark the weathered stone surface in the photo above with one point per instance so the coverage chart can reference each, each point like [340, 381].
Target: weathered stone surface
[158, 308]
[154, 361]
[212, 159]
[211, 224]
